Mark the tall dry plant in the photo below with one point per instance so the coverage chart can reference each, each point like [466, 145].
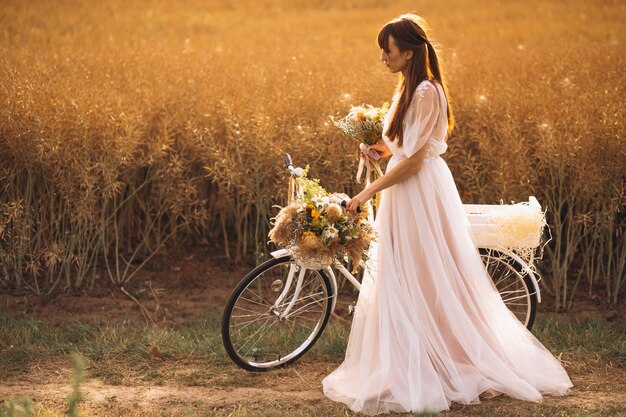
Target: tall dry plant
[127, 129]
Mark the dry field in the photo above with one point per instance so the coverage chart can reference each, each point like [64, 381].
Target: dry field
[127, 129]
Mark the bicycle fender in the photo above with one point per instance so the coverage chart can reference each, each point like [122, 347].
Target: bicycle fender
[280, 252]
[333, 283]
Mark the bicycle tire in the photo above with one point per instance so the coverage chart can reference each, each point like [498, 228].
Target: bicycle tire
[292, 356]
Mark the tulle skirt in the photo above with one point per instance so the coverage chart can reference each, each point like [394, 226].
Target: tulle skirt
[429, 326]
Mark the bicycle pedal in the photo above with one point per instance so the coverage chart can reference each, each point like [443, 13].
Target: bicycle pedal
[351, 309]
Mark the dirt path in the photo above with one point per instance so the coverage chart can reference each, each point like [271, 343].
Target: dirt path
[597, 391]
[151, 398]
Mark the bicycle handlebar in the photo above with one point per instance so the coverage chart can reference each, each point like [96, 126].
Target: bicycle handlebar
[298, 172]
[344, 203]
[287, 159]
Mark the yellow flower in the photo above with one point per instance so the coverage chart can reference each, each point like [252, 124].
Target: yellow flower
[315, 214]
[385, 105]
[305, 234]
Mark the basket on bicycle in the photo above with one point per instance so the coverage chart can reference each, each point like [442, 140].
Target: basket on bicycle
[315, 228]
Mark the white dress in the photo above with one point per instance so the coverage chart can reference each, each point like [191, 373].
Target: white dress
[429, 327]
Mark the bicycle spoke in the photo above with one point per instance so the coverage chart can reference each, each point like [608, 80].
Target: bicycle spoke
[247, 339]
[508, 286]
[246, 309]
[508, 274]
[247, 323]
[300, 299]
[300, 324]
[255, 302]
[304, 306]
[300, 311]
[260, 337]
[303, 318]
[519, 297]
[255, 294]
[516, 304]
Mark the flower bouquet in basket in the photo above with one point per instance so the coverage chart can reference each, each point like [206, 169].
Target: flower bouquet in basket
[316, 229]
[365, 125]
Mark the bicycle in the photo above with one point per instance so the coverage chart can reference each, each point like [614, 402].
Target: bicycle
[280, 308]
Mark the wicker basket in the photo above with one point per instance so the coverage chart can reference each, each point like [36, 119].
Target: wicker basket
[317, 261]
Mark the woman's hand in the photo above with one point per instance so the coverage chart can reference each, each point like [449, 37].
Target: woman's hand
[382, 149]
[360, 199]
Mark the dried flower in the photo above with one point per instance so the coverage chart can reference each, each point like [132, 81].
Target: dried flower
[363, 123]
[310, 241]
[333, 211]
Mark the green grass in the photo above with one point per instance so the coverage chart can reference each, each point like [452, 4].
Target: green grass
[27, 341]
[584, 337]
[24, 341]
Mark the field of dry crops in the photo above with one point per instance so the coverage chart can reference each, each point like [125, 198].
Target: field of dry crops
[129, 129]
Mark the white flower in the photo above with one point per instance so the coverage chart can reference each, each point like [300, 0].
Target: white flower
[356, 109]
[372, 113]
[331, 232]
[320, 201]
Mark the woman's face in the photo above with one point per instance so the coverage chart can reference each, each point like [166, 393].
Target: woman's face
[393, 58]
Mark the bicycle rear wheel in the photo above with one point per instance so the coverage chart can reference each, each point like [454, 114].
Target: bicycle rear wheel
[513, 283]
[254, 335]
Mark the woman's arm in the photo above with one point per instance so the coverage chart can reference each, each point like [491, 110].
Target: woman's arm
[421, 120]
[403, 170]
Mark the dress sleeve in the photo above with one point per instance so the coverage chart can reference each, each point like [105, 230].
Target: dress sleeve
[420, 119]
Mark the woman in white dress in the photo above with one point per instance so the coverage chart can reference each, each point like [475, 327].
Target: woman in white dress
[429, 327]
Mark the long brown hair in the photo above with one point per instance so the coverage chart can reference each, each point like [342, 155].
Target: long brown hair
[409, 34]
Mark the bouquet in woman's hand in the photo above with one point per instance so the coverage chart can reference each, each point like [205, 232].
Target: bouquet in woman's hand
[316, 229]
[365, 125]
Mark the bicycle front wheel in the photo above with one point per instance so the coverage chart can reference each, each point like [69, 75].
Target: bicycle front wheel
[256, 334]
[513, 283]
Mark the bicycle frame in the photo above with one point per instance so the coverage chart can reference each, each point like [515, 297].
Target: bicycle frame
[292, 270]
[294, 192]
[344, 271]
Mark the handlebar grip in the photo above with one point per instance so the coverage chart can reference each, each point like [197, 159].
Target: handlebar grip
[345, 203]
[287, 159]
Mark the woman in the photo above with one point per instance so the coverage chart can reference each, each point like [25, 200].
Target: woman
[429, 328]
